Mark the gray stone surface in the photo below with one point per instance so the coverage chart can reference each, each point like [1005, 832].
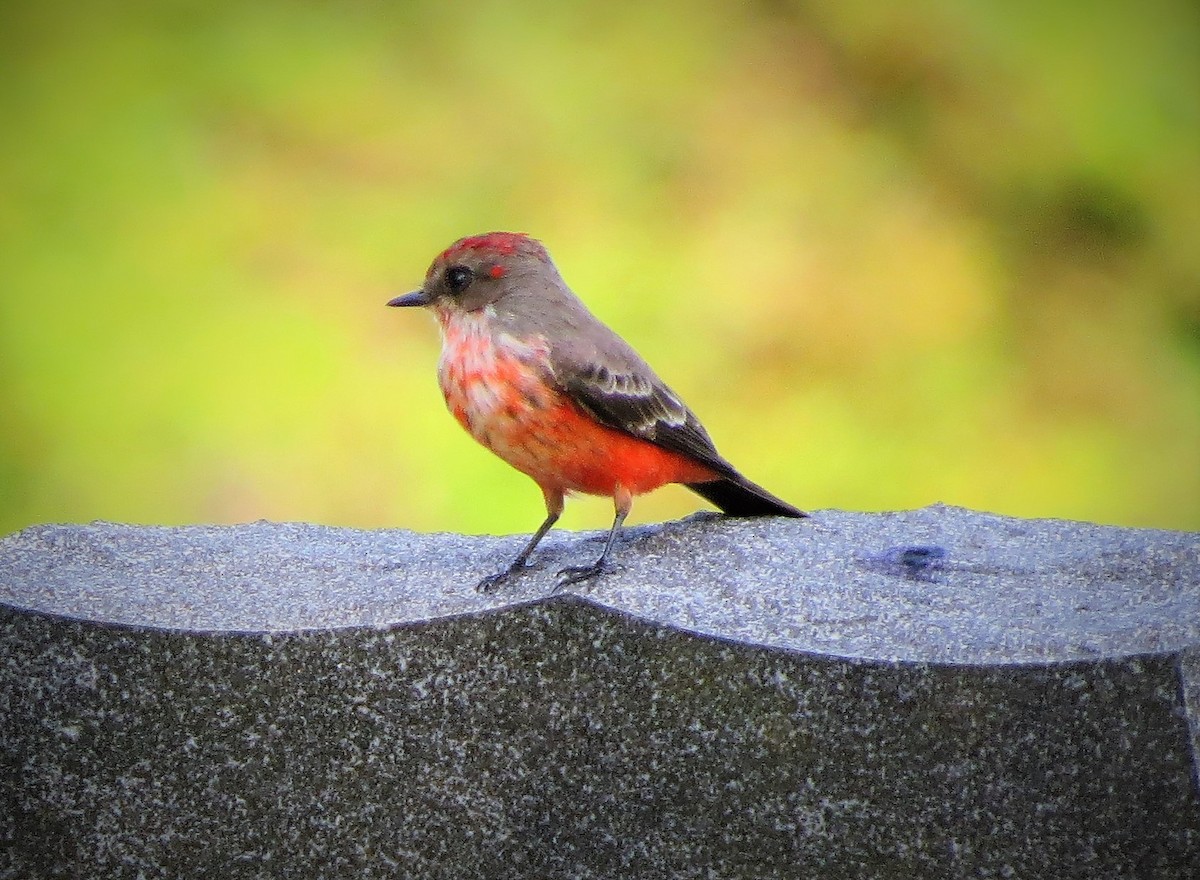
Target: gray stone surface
[742, 699]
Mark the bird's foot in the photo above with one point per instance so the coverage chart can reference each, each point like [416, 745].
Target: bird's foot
[575, 574]
[494, 582]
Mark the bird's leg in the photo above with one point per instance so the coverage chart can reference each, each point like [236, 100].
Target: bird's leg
[493, 582]
[623, 501]
[554, 509]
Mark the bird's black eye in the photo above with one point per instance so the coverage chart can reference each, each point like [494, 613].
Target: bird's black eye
[458, 278]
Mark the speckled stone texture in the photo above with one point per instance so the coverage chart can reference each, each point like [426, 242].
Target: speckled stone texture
[935, 693]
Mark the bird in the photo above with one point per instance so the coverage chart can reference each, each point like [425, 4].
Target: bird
[540, 381]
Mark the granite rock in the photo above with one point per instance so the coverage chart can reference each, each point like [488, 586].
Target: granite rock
[933, 693]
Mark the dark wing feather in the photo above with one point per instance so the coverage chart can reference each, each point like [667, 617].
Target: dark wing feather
[643, 406]
[637, 402]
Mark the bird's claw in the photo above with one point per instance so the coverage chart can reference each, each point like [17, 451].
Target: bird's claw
[574, 574]
[494, 582]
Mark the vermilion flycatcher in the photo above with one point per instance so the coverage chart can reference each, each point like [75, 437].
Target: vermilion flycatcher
[536, 378]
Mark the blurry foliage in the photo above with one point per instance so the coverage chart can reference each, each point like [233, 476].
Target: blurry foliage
[935, 252]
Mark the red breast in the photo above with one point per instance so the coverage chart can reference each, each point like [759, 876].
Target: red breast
[496, 387]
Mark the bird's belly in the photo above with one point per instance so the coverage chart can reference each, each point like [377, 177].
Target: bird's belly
[544, 435]
[498, 391]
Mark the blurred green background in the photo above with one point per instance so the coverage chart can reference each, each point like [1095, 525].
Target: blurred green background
[941, 252]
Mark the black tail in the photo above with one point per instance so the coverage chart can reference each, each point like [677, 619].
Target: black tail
[743, 498]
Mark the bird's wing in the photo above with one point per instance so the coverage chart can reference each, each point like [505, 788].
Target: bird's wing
[629, 397]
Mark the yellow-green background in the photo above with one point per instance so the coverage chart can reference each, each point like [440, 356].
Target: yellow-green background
[891, 253]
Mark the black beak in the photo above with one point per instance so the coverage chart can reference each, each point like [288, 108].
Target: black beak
[416, 298]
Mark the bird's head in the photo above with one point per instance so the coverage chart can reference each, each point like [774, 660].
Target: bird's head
[479, 270]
